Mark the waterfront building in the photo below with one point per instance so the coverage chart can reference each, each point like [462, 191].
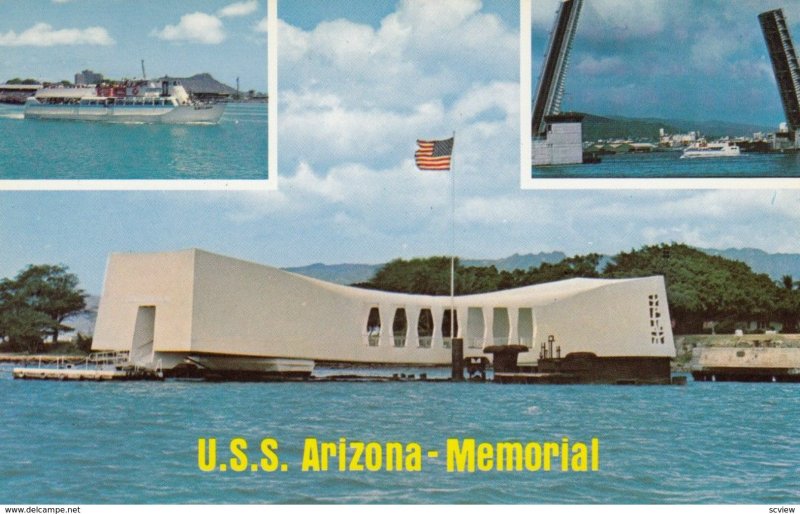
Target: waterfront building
[198, 307]
[17, 93]
[677, 140]
[87, 77]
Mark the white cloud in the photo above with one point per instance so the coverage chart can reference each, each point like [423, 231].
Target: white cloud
[590, 65]
[262, 25]
[625, 19]
[196, 27]
[322, 129]
[43, 34]
[543, 13]
[239, 9]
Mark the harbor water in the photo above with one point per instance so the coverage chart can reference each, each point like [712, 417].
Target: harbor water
[706, 443]
[233, 149]
[670, 165]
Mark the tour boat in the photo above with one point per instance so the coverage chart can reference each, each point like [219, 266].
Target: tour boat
[127, 102]
[715, 149]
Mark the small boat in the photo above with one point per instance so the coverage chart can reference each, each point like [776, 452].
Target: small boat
[713, 149]
[126, 102]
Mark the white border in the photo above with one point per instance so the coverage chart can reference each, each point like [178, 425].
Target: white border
[662, 183]
[525, 88]
[272, 89]
[270, 183]
[528, 182]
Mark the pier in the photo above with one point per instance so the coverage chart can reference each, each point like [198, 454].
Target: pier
[106, 366]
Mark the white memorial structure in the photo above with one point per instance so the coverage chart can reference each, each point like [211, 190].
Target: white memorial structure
[196, 308]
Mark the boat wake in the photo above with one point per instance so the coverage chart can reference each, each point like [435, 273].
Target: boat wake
[14, 116]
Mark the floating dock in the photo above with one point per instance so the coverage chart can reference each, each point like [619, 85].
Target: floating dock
[107, 366]
[742, 364]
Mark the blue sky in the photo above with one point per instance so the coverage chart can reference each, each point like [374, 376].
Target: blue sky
[54, 39]
[355, 94]
[684, 59]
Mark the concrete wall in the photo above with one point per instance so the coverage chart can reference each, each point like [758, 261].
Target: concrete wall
[747, 357]
[562, 145]
[163, 281]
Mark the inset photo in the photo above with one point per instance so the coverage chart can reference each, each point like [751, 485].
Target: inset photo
[640, 90]
[410, 101]
[94, 97]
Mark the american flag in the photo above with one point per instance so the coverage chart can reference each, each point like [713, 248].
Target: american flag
[434, 155]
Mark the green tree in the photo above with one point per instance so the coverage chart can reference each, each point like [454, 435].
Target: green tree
[36, 302]
[701, 287]
[20, 324]
[422, 276]
[788, 304]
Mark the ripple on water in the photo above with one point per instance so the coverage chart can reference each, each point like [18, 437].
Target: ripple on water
[136, 442]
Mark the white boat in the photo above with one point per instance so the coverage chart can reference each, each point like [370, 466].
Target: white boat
[713, 149]
[130, 102]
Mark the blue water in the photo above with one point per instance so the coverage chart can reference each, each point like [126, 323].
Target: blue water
[136, 442]
[670, 165]
[236, 148]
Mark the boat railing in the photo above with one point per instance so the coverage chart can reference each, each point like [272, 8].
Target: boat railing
[109, 358]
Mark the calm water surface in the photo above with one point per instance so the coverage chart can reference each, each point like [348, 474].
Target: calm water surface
[137, 442]
[670, 165]
[235, 148]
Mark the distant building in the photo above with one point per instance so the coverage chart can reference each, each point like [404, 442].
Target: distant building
[17, 93]
[676, 140]
[615, 147]
[88, 77]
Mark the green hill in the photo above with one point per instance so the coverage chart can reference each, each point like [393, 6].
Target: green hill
[596, 128]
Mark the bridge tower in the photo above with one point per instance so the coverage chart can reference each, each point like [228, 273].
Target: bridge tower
[784, 64]
[550, 89]
[557, 138]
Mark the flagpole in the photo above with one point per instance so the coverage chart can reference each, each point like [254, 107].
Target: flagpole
[452, 241]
